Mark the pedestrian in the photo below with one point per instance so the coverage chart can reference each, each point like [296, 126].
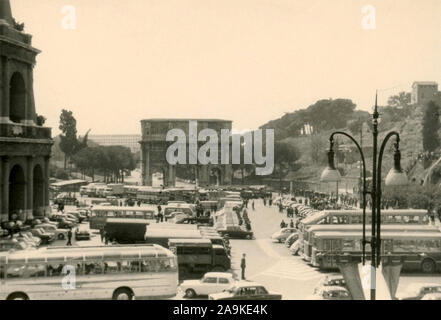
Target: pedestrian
[243, 265]
[291, 224]
[264, 201]
[69, 237]
[282, 224]
[106, 238]
[271, 202]
[102, 234]
[252, 205]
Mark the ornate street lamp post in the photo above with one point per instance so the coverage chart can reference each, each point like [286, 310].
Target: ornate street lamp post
[395, 177]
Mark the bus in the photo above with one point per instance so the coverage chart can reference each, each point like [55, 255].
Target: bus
[152, 195]
[130, 191]
[100, 272]
[162, 236]
[401, 216]
[198, 256]
[99, 214]
[417, 251]
[186, 208]
[309, 234]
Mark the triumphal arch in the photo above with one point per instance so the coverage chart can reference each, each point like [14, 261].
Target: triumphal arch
[154, 146]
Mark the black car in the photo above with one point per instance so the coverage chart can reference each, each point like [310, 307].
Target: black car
[236, 232]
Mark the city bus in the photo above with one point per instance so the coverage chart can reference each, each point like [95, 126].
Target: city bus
[99, 214]
[309, 233]
[100, 272]
[418, 251]
[152, 195]
[400, 216]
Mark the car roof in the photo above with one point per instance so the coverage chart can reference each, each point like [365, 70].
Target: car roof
[219, 274]
[245, 283]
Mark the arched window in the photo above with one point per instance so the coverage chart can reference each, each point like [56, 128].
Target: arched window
[17, 98]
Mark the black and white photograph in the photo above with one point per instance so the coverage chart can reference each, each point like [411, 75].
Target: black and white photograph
[201, 150]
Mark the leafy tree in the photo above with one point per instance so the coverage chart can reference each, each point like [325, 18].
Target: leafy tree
[68, 138]
[330, 114]
[401, 100]
[431, 125]
[318, 144]
[285, 158]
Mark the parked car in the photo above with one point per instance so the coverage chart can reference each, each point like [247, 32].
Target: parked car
[61, 217]
[296, 247]
[32, 242]
[331, 293]
[211, 282]
[236, 232]
[432, 296]
[12, 244]
[246, 290]
[35, 239]
[60, 234]
[78, 215]
[283, 234]
[44, 236]
[293, 237]
[416, 291]
[330, 281]
[82, 235]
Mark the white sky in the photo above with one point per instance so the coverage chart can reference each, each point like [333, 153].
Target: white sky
[245, 60]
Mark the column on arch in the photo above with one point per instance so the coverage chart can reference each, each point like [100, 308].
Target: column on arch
[29, 205]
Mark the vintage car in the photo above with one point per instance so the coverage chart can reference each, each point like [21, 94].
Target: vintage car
[246, 290]
[82, 235]
[79, 215]
[236, 232]
[296, 247]
[45, 237]
[60, 234]
[330, 281]
[291, 239]
[13, 244]
[283, 234]
[331, 293]
[416, 291]
[211, 282]
[432, 296]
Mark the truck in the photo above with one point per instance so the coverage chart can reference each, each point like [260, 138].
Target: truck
[198, 256]
[114, 189]
[126, 231]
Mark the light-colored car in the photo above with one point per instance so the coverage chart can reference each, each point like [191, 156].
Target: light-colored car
[330, 281]
[416, 291]
[60, 234]
[291, 239]
[283, 234]
[246, 290]
[12, 244]
[432, 296]
[296, 247]
[211, 282]
[331, 293]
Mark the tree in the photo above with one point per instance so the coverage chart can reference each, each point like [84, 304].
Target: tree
[431, 125]
[330, 114]
[285, 158]
[401, 100]
[68, 138]
[318, 144]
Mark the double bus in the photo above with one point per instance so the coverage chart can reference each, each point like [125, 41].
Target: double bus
[417, 251]
[152, 195]
[101, 272]
[309, 234]
[99, 214]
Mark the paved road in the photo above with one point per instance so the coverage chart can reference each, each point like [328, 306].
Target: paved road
[271, 264]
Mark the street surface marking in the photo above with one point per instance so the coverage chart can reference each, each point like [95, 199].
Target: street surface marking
[289, 268]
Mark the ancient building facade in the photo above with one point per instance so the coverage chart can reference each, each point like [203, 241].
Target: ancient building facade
[154, 147]
[25, 145]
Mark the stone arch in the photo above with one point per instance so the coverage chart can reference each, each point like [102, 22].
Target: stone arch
[17, 191]
[17, 98]
[38, 191]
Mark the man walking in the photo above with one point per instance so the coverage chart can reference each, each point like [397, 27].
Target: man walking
[69, 237]
[243, 265]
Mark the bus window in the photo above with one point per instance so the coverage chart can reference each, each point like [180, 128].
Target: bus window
[327, 245]
[336, 245]
[94, 268]
[54, 270]
[348, 245]
[388, 246]
[112, 267]
[415, 219]
[129, 266]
